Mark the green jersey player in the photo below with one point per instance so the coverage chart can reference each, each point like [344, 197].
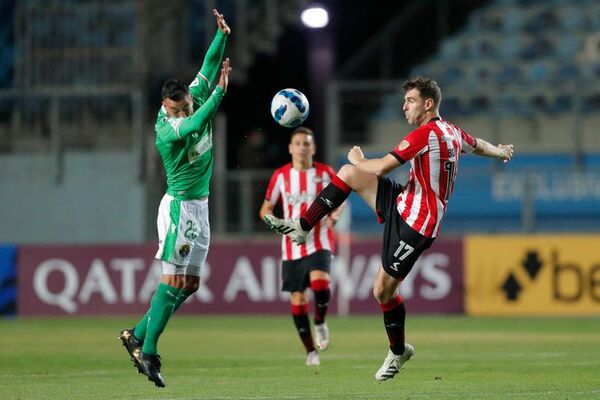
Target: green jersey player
[184, 140]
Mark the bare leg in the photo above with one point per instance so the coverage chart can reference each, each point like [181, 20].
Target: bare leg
[363, 183]
[385, 286]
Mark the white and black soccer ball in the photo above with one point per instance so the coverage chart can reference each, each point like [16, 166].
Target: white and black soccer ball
[289, 108]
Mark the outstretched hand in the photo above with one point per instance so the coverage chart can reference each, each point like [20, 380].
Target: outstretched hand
[507, 151]
[355, 155]
[331, 221]
[224, 78]
[221, 22]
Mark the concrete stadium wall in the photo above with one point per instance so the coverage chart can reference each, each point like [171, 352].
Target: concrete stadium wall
[98, 200]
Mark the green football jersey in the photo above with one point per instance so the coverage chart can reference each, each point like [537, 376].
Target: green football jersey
[186, 144]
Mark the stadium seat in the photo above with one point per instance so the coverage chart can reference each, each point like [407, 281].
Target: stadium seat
[511, 46]
[571, 18]
[591, 71]
[539, 72]
[562, 103]
[591, 103]
[481, 73]
[540, 102]
[540, 47]
[542, 21]
[593, 13]
[453, 105]
[479, 103]
[530, 3]
[567, 45]
[514, 20]
[483, 47]
[451, 74]
[510, 74]
[512, 104]
[452, 49]
[567, 72]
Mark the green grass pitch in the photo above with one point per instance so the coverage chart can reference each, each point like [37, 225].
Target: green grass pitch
[256, 357]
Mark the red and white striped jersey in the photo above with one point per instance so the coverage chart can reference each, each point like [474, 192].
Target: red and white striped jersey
[297, 190]
[433, 151]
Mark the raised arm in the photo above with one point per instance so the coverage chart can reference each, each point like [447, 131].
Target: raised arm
[214, 54]
[199, 88]
[223, 27]
[376, 166]
[486, 149]
[204, 114]
[266, 208]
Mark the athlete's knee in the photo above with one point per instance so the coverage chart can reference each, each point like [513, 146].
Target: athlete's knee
[175, 281]
[347, 173]
[382, 294]
[192, 284]
[298, 299]
[191, 288]
[378, 294]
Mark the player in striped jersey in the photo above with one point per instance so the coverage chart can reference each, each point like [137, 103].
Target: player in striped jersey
[304, 265]
[412, 213]
[184, 140]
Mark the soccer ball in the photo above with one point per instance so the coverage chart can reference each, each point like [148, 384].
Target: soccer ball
[289, 108]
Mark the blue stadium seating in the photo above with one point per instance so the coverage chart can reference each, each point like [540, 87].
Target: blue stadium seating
[534, 45]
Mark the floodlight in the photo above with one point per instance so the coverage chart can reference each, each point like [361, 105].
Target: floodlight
[315, 17]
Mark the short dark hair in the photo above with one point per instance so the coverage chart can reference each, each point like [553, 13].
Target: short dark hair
[175, 90]
[428, 88]
[302, 129]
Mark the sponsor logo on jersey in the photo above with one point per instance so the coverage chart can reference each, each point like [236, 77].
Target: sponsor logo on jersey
[404, 144]
[301, 198]
[199, 149]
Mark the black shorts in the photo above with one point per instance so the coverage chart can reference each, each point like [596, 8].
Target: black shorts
[402, 245]
[296, 273]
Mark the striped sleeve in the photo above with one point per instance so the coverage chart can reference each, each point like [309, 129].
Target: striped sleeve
[274, 189]
[418, 143]
[469, 143]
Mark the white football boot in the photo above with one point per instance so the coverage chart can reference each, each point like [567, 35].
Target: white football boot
[289, 227]
[322, 336]
[392, 363]
[312, 359]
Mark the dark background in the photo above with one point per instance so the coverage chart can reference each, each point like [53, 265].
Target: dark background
[351, 25]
